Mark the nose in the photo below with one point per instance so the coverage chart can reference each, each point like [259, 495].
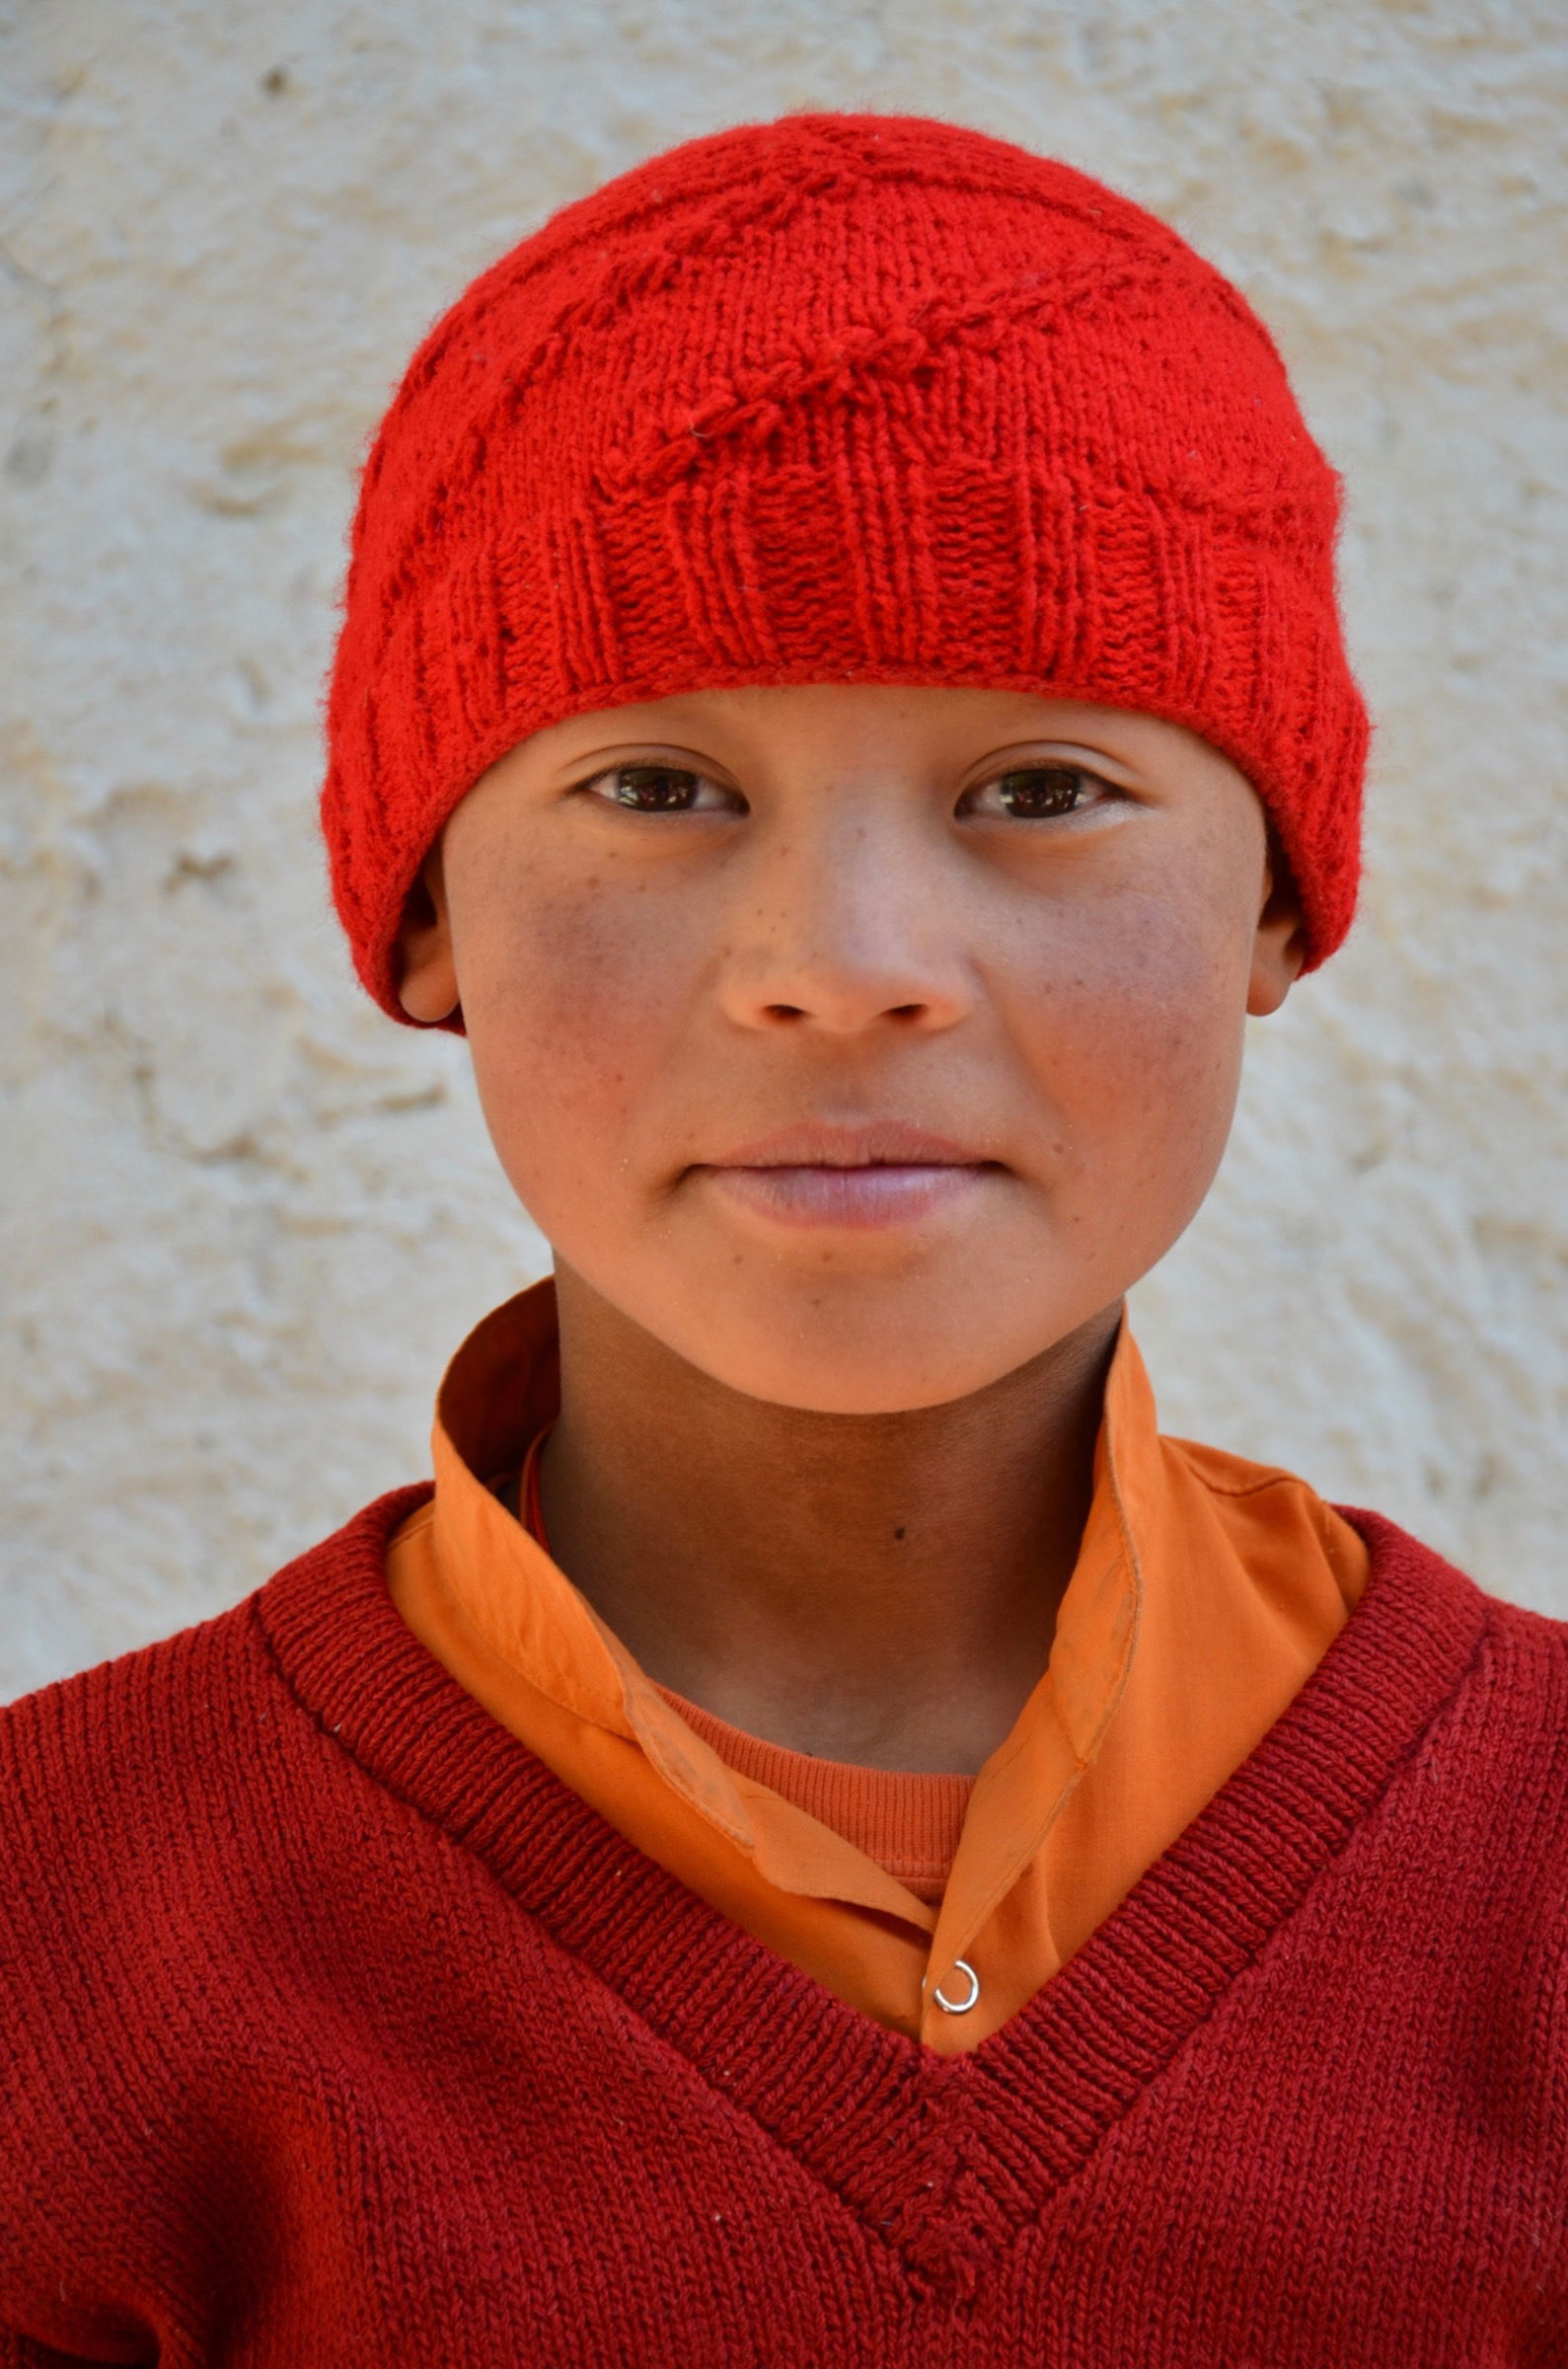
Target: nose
[840, 929]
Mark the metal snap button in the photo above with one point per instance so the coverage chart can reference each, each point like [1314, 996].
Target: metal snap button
[959, 2006]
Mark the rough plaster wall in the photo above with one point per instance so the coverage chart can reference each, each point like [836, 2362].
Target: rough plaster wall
[245, 1218]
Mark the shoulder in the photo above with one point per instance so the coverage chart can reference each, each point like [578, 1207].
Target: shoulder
[1516, 1652]
[175, 1827]
[127, 1790]
[1469, 1850]
[1517, 1694]
[93, 1763]
[1489, 1773]
[1512, 1644]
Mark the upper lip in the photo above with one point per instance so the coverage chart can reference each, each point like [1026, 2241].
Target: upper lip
[879, 1143]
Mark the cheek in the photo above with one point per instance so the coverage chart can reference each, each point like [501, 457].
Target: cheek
[571, 1000]
[1136, 1038]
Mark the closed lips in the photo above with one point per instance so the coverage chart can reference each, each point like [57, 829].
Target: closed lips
[879, 1143]
[876, 1176]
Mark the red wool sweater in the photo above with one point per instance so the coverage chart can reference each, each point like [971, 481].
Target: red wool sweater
[334, 2030]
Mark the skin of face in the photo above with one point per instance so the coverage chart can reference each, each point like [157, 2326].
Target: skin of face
[857, 1044]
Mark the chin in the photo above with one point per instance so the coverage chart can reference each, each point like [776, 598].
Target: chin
[826, 1361]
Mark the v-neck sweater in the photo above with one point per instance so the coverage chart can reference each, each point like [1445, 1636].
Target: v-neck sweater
[337, 2029]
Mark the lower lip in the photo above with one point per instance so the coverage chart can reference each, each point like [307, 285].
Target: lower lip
[883, 1195]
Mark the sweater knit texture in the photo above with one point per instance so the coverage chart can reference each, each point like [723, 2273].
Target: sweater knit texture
[839, 399]
[336, 2030]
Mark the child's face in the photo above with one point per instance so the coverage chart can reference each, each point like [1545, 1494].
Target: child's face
[861, 1044]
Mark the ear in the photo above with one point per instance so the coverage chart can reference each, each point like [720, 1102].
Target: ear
[1279, 948]
[426, 973]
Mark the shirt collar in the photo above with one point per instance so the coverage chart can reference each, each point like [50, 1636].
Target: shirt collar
[502, 1388]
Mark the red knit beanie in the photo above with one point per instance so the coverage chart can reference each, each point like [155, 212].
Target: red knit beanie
[839, 399]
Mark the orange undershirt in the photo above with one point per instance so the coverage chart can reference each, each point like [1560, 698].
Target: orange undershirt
[1205, 1592]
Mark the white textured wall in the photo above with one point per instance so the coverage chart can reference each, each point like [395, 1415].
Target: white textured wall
[245, 1218]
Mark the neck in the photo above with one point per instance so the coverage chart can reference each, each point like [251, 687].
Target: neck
[877, 1588]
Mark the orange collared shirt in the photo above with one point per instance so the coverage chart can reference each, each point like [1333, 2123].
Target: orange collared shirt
[1206, 1590]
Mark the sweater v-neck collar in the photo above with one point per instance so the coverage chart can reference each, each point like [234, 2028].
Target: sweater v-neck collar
[941, 2158]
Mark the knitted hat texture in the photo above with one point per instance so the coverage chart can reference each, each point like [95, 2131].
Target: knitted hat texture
[839, 399]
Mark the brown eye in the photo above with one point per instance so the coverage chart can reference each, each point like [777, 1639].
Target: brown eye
[653, 789]
[1038, 792]
[662, 790]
